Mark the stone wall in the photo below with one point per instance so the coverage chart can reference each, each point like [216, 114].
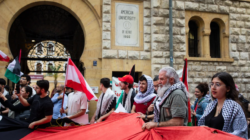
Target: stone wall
[156, 39]
[201, 71]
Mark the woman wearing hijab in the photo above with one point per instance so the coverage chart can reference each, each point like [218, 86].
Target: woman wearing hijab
[144, 97]
[225, 112]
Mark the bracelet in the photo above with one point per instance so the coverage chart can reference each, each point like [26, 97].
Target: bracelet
[158, 124]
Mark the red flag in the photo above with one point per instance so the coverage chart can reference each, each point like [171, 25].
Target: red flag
[132, 72]
[75, 80]
[4, 57]
[20, 56]
[184, 80]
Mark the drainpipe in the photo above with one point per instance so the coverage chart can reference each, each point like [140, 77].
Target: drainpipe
[151, 33]
[171, 32]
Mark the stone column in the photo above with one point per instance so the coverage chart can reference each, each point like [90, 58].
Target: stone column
[187, 50]
[225, 47]
[206, 43]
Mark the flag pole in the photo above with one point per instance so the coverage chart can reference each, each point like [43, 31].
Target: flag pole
[20, 56]
[184, 80]
[64, 85]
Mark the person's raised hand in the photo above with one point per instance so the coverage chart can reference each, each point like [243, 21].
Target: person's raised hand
[14, 95]
[60, 97]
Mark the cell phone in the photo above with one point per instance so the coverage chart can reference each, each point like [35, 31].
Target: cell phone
[17, 89]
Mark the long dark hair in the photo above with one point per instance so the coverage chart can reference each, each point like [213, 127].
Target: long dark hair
[227, 79]
[28, 89]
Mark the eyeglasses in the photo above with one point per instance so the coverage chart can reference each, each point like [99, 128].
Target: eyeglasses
[215, 85]
[23, 79]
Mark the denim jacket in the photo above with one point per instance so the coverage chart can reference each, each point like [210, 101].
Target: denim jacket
[201, 107]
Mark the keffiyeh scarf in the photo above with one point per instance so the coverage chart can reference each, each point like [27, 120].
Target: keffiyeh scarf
[107, 99]
[148, 95]
[160, 100]
[128, 100]
[234, 117]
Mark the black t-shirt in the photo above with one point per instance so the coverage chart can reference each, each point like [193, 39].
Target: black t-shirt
[214, 122]
[40, 107]
[112, 106]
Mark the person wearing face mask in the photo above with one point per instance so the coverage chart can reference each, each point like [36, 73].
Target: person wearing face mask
[57, 101]
[170, 106]
[68, 91]
[225, 111]
[200, 103]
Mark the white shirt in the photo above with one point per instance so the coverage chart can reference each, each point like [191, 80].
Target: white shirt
[76, 101]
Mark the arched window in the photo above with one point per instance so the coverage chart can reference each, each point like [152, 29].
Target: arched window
[65, 68]
[193, 39]
[215, 40]
[39, 48]
[50, 48]
[38, 68]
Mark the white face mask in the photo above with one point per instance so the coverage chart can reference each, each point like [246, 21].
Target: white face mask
[162, 90]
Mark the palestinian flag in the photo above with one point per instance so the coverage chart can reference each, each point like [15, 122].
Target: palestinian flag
[185, 81]
[13, 72]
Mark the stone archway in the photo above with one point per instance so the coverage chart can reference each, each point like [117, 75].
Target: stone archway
[85, 14]
[82, 11]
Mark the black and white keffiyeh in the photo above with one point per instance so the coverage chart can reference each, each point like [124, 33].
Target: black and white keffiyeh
[160, 100]
[128, 100]
[234, 117]
[107, 99]
[148, 95]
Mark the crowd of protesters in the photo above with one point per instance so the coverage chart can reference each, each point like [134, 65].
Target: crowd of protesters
[160, 101]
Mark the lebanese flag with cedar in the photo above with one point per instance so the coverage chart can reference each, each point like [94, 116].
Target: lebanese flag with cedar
[75, 80]
[4, 57]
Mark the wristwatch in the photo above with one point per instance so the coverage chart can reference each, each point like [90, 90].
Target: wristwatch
[146, 117]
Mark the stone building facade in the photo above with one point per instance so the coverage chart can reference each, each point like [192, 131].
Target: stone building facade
[235, 35]
[150, 52]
